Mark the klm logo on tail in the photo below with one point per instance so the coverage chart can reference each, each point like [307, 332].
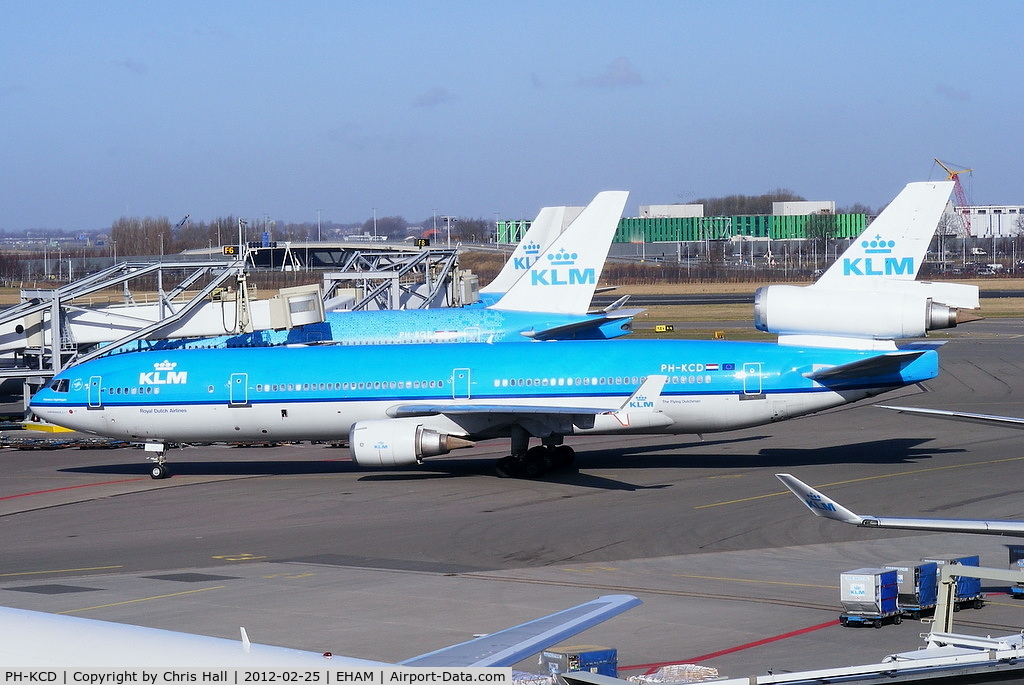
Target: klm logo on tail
[562, 272]
[641, 402]
[532, 251]
[878, 265]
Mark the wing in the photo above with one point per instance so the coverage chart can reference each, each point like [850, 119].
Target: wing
[589, 323]
[880, 365]
[826, 507]
[986, 419]
[512, 645]
[645, 398]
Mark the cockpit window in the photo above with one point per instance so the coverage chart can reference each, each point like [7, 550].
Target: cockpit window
[60, 385]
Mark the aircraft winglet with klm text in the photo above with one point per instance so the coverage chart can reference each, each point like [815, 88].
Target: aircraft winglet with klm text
[826, 507]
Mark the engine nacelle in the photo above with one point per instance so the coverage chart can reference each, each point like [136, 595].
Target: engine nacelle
[881, 315]
[398, 442]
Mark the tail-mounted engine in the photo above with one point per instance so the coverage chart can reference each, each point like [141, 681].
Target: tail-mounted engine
[882, 315]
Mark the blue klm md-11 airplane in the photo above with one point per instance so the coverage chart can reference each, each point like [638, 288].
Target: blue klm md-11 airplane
[399, 409]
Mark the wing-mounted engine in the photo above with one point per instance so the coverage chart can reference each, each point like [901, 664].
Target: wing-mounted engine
[876, 314]
[399, 442]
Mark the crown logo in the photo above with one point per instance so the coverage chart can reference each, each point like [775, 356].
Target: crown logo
[531, 248]
[562, 258]
[164, 366]
[878, 246]
[380, 445]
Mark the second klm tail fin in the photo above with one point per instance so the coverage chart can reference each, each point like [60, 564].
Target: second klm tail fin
[564, 278]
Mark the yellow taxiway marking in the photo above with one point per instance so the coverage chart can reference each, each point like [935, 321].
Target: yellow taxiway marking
[141, 599]
[59, 570]
[865, 479]
[290, 576]
[241, 556]
[759, 582]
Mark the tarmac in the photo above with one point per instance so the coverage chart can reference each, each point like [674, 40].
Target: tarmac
[304, 550]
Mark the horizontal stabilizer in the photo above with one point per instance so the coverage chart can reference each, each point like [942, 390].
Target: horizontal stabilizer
[507, 647]
[880, 365]
[591, 322]
[984, 419]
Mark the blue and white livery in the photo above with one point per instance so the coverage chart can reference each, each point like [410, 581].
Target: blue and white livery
[399, 409]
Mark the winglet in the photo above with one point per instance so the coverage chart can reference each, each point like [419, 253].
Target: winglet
[646, 398]
[818, 503]
[511, 645]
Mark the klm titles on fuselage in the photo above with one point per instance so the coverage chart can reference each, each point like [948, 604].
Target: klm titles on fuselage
[163, 373]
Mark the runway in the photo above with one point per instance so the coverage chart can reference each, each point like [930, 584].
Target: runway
[305, 550]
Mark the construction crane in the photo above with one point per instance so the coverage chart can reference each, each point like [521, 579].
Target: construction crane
[958, 190]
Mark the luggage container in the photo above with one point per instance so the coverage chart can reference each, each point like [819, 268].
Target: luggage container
[868, 596]
[601, 660]
[1017, 563]
[968, 589]
[918, 584]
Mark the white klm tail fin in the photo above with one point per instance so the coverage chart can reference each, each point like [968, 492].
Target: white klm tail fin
[543, 230]
[563, 280]
[893, 247]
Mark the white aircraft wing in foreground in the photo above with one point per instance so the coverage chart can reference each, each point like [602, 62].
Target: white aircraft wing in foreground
[826, 507]
[966, 417]
[33, 638]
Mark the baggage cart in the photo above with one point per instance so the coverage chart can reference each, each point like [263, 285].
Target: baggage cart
[918, 584]
[968, 590]
[868, 596]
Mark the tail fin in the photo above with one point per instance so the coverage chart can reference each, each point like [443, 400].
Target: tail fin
[894, 245]
[563, 280]
[543, 230]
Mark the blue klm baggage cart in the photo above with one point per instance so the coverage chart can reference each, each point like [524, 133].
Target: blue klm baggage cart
[868, 596]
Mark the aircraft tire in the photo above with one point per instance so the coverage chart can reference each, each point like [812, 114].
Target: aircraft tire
[159, 472]
[534, 465]
[508, 467]
[562, 456]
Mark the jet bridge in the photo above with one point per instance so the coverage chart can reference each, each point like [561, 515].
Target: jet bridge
[372, 279]
[52, 329]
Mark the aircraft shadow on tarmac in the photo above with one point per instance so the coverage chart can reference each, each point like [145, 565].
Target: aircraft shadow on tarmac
[633, 458]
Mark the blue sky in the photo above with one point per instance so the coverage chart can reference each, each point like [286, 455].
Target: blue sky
[493, 109]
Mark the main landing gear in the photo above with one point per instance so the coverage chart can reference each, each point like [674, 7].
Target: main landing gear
[535, 462]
